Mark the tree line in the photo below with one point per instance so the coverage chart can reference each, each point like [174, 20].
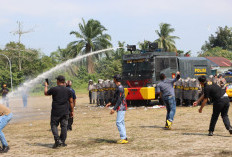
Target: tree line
[91, 36]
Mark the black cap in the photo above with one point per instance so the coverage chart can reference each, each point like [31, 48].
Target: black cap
[60, 78]
[117, 77]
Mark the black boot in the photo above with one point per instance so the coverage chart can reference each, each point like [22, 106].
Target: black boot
[69, 128]
[5, 149]
[210, 133]
[230, 130]
[63, 144]
[57, 143]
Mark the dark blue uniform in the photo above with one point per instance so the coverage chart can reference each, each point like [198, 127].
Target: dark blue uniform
[70, 120]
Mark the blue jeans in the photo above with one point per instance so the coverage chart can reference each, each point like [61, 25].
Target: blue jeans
[170, 103]
[121, 124]
[4, 120]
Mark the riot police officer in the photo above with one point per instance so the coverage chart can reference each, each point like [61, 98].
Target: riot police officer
[178, 92]
[100, 93]
[221, 103]
[90, 87]
[187, 95]
[112, 90]
[94, 93]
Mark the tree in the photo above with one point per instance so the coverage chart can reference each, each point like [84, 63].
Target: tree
[217, 52]
[117, 54]
[223, 39]
[186, 54]
[32, 63]
[165, 40]
[144, 46]
[91, 37]
[17, 51]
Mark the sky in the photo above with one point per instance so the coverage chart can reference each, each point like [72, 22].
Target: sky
[132, 21]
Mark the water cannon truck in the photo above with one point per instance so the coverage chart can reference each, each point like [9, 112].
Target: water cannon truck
[140, 72]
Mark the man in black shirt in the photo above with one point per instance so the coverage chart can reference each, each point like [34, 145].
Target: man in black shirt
[221, 103]
[70, 120]
[61, 99]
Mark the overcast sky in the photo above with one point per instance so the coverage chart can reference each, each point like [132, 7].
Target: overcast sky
[131, 21]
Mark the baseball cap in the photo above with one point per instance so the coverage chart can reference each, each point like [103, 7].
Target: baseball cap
[60, 78]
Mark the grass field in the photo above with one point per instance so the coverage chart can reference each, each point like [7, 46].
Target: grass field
[95, 133]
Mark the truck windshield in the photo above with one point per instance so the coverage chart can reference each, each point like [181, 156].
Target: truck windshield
[135, 67]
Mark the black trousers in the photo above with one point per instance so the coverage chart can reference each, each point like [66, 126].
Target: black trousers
[63, 121]
[220, 107]
[90, 97]
[70, 122]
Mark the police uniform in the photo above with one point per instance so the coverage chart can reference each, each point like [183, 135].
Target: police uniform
[100, 94]
[90, 87]
[221, 104]
[94, 93]
[178, 92]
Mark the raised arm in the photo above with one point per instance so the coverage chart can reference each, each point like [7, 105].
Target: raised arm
[46, 89]
[177, 77]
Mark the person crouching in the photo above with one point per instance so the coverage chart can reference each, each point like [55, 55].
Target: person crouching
[5, 117]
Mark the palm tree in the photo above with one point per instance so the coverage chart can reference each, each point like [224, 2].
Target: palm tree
[144, 46]
[165, 41]
[91, 37]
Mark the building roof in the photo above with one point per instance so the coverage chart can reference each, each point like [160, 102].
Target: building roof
[221, 61]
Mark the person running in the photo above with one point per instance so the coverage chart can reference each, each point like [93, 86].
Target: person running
[61, 99]
[221, 103]
[165, 86]
[5, 117]
[120, 106]
[70, 120]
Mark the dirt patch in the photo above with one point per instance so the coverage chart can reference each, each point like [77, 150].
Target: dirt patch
[95, 133]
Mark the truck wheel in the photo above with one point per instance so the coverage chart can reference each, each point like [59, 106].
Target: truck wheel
[128, 103]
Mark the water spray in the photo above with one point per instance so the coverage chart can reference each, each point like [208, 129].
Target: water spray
[44, 75]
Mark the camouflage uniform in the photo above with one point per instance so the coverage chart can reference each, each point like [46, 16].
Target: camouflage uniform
[187, 96]
[90, 87]
[178, 92]
[106, 86]
[112, 90]
[100, 93]
[94, 93]
[194, 87]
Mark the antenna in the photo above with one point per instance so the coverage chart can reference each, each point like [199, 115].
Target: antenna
[20, 32]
